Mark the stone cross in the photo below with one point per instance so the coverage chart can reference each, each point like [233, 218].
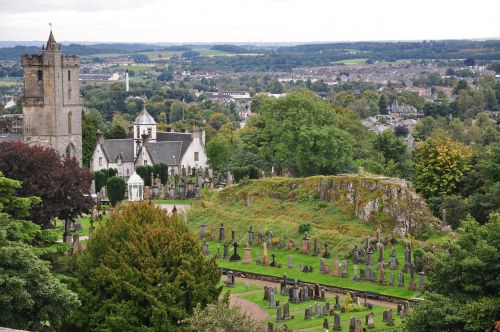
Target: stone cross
[326, 254]
[235, 256]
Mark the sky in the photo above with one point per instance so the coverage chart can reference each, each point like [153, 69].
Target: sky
[184, 21]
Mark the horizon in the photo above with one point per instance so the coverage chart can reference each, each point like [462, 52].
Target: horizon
[238, 21]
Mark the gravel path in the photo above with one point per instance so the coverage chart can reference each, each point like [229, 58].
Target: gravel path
[248, 307]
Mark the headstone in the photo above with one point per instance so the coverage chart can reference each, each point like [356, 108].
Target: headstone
[336, 322]
[235, 257]
[393, 261]
[295, 294]
[401, 280]
[412, 284]
[355, 254]
[315, 247]
[382, 276]
[374, 276]
[388, 319]
[335, 269]
[272, 298]
[266, 293]
[250, 236]
[248, 254]
[308, 313]
[291, 244]
[370, 321]
[206, 250]
[283, 287]
[337, 304]
[318, 312]
[260, 239]
[279, 313]
[270, 239]
[357, 326]
[218, 253]
[233, 236]
[406, 307]
[305, 244]
[270, 327]
[326, 254]
[221, 233]
[290, 262]
[381, 260]
[226, 251]
[265, 257]
[322, 266]
[327, 269]
[421, 281]
[273, 263]
[391, 279]
[352, 324]
[326, 309]
[345, 272]
[203, 231]
[211, 230]
[286, 311]
[369, 257]
[325, 324]
[408, 264]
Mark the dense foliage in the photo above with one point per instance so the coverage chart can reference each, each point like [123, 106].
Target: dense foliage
[142, 271]
[465, 284]
[102, 176]
[115, 187]
[31, 297]
[156, 171]
[62, 185]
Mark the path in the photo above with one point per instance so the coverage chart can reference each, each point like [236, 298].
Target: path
[251, 309]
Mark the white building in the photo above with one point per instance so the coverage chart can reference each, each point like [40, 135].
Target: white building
[149, 147]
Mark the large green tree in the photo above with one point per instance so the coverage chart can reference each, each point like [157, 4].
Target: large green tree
[142, 271]
[300, 133]
[31, 298]
[465, 284]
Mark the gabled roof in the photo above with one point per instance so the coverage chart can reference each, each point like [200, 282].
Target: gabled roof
[185, 138]
[114, 147]
[144, 118]
[168, 153]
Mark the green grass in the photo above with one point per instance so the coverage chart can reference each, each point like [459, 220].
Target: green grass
[351, 61]
[173, 201]
[297, 310]
[281, 256]
[85, 221]
[240, 287]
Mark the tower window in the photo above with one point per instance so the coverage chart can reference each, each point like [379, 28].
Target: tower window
[138, 132]
[69, 122]
[40, 75]
[100, 161]
[69, 75]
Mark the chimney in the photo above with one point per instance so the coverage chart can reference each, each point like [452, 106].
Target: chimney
[99, 137]
[145, 140]
[126, 81]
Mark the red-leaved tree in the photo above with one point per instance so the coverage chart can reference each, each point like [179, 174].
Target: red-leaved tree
[61, 183]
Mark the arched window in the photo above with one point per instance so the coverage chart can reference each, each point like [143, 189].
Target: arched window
[70, 150]
[70, 115]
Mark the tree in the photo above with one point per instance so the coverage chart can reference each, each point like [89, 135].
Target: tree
[464, 284]
[382, 104]
[220, 316]
[118, 127]
[440, 165]
[91, 123]
[101, 177]
[218, 153]
[31, 298]
[425, 127]
[115, 187]
[142, 270]
[62, 185]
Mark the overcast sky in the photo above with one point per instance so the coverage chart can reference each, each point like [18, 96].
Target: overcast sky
[248, 20]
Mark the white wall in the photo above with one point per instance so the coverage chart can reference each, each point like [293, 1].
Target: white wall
[196, 146]
[94, 161]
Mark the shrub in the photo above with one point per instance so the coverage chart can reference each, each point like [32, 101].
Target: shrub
[116, 189]
[305, 227]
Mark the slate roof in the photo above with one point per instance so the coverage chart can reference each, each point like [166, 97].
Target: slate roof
[144, 118]
[168, 153]
[113, 147]
[9, 137]
[185, 138]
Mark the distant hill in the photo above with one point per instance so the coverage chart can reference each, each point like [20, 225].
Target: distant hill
[340, 209]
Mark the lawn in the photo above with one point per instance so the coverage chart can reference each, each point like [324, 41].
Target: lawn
[281, 256]
[85, 221]
[173, 201]
[297, 310]
[240, 287]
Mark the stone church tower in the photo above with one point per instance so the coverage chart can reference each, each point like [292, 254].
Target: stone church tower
[52, 106]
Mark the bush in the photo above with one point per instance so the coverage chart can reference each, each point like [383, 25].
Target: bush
[100, 177]
[250, 172]
[116, 189]
[305, 227]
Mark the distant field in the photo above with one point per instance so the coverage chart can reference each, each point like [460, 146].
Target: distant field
[10, 82]
[351, 61]
[139, 68]
[161, 54]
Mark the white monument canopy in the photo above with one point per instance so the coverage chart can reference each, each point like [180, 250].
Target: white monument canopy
[135, 188]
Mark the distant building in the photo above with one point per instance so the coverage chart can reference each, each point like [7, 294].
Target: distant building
[149, 147]
[51, 103]
[396, 109]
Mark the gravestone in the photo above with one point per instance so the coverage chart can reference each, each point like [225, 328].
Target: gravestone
[265, 257]
[393, 261]
[374, 276]
[327, 269]
[315, 247]
[230, 279]
[388, 319]
[345, 272]
[260, 239]
[203, 231]
[408, 264]
[233, 236]
[206, 250]
[326, 309]
[382, 276]
[391, 279]
[286, 311]
[369, 257]
[412, 285]
[283, 288]
[337, 304]
[266, 293]
[355, 277]
[370, 321]
[335, 269]
[248, 254]
[291, 244]
[295, 294]
[318, 312]
[221, 233]
[325, 324]
[235, 257]
[421, 281]
[270, 327]
[218, 252]
[273, 263]
[308, 313]
[355, 254]
[290, 262]
[279, 314]
[226, 251]
[401, 280]
[250, 236]
[322, 266]
[381, 260]
[336, 322]
[305, 244]
[258, 261]
[272, 298]
[352, 324]
[270, 239]
[326, 254]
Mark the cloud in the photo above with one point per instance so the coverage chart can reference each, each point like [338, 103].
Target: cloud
[19, 7]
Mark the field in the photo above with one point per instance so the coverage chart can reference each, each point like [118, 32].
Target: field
[161, 54]
[350, 61]
[10, 82]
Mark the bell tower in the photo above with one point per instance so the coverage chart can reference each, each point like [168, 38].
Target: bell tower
[52, 106]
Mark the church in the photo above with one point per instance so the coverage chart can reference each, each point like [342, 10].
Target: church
[180, 151]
